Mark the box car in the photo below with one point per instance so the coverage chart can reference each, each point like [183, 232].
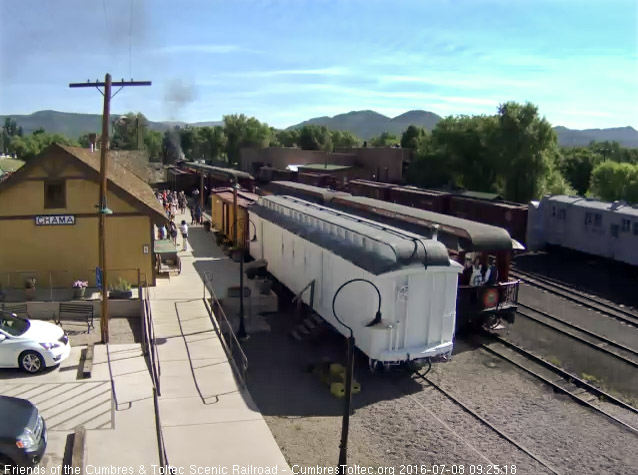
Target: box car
[311, 193]
[430, 200]
[371, 189]
[511, 216]
[305, 242]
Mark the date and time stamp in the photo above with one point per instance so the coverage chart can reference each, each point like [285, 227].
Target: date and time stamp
[410, 469]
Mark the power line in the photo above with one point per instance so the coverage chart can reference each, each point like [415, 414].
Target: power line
[130, 39]
[106, 18]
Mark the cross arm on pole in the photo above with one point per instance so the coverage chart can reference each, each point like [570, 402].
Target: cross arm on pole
[114, 83]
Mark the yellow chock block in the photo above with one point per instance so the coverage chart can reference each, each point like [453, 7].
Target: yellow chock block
[339, 389]
[338, 370]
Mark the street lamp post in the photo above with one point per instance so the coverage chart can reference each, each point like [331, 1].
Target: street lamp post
[345, 425]
[241, 332]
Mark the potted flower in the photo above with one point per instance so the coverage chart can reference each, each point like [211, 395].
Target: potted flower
[29, 288]
[122, 290]
[79, 286]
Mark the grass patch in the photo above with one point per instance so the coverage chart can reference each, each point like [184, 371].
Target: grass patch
[555, 361]
[10, 164]
[590, 378]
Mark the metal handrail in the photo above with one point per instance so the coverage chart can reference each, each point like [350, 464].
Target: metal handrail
[150, 348]
[150, 343]
[232, 342]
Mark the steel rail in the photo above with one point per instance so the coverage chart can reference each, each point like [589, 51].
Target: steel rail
[578, 338]
[565, 375]
[588, 302]
[486, 422]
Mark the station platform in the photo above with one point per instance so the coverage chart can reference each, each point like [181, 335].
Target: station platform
[207, 417]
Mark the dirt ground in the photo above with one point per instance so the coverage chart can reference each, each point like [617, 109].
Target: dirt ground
[121, 330]
[399, 421]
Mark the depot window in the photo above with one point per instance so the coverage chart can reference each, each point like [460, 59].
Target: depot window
[55, 194]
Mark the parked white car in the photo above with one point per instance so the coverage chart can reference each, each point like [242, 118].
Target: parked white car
[31, 345]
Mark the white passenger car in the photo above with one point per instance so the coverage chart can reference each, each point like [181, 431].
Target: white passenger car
[31, 345]
[303, 242]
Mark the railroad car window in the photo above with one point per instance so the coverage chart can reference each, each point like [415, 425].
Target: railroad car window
[613, 229]
[635, 228]
[553, 211]
[588, 218]
[562, 214]
[598, 220]
[626, 225]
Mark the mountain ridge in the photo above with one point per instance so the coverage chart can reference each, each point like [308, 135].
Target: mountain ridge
[364, 124]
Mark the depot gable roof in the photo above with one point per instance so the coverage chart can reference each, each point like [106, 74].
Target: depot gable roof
[121, 180]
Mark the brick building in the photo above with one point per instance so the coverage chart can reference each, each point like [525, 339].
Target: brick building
[383, 164]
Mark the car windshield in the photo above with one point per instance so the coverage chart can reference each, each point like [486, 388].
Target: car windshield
[13, 326]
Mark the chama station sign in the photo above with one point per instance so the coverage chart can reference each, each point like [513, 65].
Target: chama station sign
[55, 220]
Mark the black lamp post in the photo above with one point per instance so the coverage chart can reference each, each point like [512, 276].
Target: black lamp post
[241, 332]
[345, 425]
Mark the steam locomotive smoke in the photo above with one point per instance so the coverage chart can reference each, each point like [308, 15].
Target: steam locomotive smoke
[178, 95]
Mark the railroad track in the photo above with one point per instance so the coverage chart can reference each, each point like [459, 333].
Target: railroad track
[480, 418]
[579, 297]
[583, 335]
[581, 391]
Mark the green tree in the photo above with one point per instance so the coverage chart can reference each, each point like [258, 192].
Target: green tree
[10, 130]
[527, 142]
[213, 141]
[411, 137]
[315, 137]
[613, 181]
[242, 131]
[288, 138]
[344, 139]
[576, 165]
[129, 132]
[386, 139]
[28, 146]
[153, 144]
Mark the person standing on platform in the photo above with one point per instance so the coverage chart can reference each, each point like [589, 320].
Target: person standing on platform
[184, 230]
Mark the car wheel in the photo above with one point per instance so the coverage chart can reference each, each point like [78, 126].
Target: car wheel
[31, 362]
[6, 465]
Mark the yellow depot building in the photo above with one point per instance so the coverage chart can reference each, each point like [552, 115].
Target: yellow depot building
[49, 222]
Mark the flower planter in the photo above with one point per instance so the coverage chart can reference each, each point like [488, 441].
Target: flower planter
[120, 294]
[78, 292]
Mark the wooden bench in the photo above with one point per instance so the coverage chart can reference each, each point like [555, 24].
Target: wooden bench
[76, 311]
[21, 310]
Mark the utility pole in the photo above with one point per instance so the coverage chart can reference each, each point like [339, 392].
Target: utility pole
[103, 210]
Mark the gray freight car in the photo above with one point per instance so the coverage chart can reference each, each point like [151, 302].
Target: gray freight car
[595, 227]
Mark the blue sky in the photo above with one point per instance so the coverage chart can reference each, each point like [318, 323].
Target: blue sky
[289, 60]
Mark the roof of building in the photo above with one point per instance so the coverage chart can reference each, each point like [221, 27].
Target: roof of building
[124, 181]
[420, 191]
[378, 249]
[302, 190]
[323, 166]
[244, 199]
[231, 172]
[374, 184]
[123, 178]
[471, 234]
[620, 207]
[481, 195]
